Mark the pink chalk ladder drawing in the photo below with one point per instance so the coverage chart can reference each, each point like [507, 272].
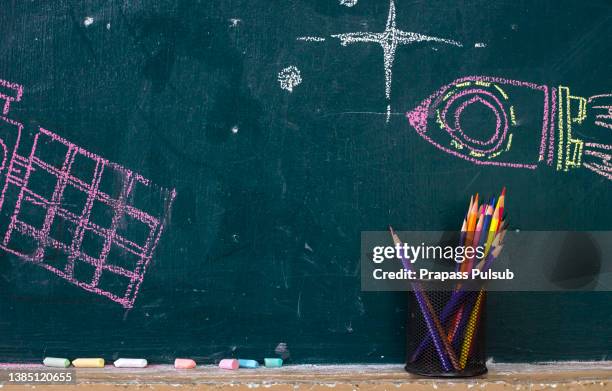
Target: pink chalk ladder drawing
[87, 220]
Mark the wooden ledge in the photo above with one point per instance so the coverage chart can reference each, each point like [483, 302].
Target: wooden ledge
[565, 376]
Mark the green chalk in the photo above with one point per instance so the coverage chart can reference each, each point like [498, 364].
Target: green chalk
[273, 362]
[56, 362]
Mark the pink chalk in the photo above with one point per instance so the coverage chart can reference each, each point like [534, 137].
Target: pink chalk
[52, 174]
[184, 363]
[452, 99]
[229, 363]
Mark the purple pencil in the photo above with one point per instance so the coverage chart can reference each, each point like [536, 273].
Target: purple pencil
[421, 300]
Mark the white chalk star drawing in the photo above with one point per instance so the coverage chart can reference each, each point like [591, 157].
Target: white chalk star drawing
[389, 40]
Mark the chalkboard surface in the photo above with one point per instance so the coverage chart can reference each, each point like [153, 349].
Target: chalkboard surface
[251, 142]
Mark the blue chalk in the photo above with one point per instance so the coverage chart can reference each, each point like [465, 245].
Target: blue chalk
[248, 363]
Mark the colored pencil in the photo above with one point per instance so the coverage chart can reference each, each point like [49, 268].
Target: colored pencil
[472, 328]
[457, 298]
[477, 235]
[492, 230]
[483, 226]
[486, 225]
[433, 324]
[501, 202]
[473, 213]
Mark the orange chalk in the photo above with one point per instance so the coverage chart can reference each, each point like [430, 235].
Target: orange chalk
[184, 363]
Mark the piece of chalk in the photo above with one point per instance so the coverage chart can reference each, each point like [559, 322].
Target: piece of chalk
[184, 363]
[56, 362]
[229, 363]
[273, 362]
[131, 363]
[88, 363]
[248, 363]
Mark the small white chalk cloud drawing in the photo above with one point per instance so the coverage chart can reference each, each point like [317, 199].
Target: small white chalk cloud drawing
[389, 40]
[289, 78]
[348, 3]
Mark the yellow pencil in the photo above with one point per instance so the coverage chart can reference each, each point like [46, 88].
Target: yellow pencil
[492, 231]
[470, 330]
[472, 220]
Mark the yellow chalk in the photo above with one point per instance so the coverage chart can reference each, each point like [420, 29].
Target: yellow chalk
[88, 363]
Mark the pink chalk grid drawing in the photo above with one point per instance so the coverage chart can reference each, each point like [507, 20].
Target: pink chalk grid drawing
[528, 125]
[87, 220]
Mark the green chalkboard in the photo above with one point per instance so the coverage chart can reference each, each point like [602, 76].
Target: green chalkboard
[191, 178]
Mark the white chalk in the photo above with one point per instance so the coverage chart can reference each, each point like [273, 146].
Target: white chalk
[390, 39]
[131, 363]
[348, 3]
[289, 78]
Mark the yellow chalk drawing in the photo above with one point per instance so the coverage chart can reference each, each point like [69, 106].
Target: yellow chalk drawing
[569, 149]
[509, 142]
[476, 154]
[456, 144]
[560, 127]
[494, 155]
[512, 116]
[501, 91]
[439, 119]
[450, 93]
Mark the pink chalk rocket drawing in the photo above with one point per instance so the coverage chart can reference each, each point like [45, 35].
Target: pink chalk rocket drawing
[528, 125]
[89, 221]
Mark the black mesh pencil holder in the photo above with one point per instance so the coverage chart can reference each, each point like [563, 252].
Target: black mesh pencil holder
[446, 331]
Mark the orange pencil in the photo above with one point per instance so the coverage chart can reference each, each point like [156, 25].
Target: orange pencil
[472, 215]
[471, 226]
[471, 203]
